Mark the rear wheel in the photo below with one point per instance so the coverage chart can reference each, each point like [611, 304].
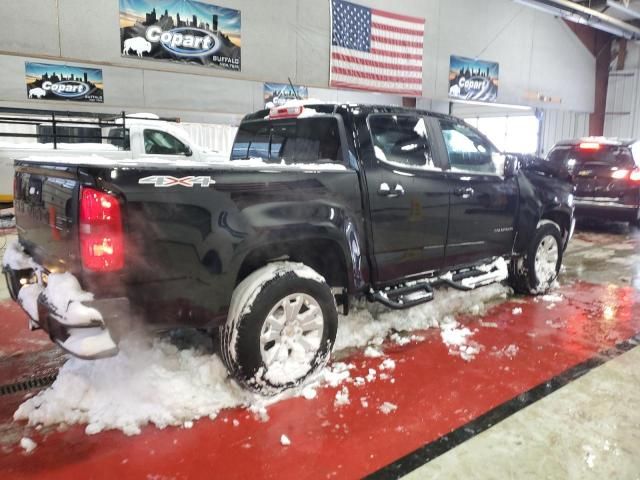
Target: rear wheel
[281, 327]
[534, 272]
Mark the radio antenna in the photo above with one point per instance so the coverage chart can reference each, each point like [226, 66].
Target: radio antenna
[295, 92]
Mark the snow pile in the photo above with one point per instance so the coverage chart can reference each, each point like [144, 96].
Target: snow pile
[284, 440]
[517, 311]
[148, 382]
[361, 326]
[153, 381]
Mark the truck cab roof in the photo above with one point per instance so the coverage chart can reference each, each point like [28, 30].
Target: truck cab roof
[351, 108]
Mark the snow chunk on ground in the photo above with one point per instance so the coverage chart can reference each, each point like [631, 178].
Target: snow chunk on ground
[284, 440]
[552, 298]
[28, 445]
[517, 311]
[457, 339]
[387, 364]
[372, 352]
[342, 397]
[387, 408]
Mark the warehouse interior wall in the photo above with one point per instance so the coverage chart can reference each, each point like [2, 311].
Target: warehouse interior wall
[284, 39]
[622, 116]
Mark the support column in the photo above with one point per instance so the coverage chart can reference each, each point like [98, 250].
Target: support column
[599, 44]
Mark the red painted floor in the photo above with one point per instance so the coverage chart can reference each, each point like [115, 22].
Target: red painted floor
[434, 391]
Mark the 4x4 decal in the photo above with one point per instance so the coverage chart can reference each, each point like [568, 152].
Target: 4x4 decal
[168, 181]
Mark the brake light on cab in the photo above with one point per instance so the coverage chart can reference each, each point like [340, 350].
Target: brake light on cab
[101, 233]
[590, 146]
[285, 112]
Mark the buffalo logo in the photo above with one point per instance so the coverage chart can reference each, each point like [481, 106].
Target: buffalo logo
[184, 41]
[162, 181]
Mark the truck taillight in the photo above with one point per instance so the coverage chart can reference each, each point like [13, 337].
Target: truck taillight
[635, 175]
[101, 235]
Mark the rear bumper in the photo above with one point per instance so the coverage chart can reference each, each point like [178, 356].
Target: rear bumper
[81, 329]
[605, 210]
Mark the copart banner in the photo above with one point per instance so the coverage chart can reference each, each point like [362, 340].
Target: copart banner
[277, 94]
[181, 31]
[62, 82]
[471, 79]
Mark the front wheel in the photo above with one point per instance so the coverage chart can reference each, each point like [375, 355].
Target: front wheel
[534, 272]
[281, 327]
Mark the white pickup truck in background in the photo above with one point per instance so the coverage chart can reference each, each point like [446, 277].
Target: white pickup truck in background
[144, 136]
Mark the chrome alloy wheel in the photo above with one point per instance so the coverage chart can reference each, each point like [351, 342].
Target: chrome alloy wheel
[291, 335]
[546, 260]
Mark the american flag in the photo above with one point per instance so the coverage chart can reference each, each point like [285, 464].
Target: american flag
[375, 50]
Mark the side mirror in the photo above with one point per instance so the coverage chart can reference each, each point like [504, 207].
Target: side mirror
[189, 152]
[511, 166]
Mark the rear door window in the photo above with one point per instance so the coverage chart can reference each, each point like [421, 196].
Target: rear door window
[304, 140]
[402, 140]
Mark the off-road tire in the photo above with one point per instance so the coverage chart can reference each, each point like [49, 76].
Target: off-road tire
[252, 301]
[522, 272]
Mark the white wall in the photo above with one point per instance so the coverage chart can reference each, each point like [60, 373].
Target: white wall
[290, 38]
[559, 125]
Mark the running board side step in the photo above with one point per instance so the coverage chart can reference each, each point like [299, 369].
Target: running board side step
[404, 297]
[471, 279]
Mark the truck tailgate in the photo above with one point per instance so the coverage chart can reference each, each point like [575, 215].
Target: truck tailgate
[46, 209]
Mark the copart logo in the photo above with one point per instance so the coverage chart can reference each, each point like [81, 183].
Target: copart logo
[67, 88]
[473, 83]
[162, 181]
[184, 41]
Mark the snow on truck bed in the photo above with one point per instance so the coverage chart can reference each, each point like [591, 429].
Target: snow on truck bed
[161, 163]
[153, 381]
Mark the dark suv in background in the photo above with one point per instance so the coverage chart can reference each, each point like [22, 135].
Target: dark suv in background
[606, 175]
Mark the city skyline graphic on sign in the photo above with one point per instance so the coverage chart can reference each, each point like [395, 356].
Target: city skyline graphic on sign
[183, 13]
[42, 71]
[479, 68]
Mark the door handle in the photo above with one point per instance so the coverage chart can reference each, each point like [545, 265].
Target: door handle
[385, 190]
[466, 192]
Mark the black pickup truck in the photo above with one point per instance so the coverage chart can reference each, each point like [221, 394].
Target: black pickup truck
[318, 204]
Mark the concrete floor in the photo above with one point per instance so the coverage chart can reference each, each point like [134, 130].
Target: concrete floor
[564, 407]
